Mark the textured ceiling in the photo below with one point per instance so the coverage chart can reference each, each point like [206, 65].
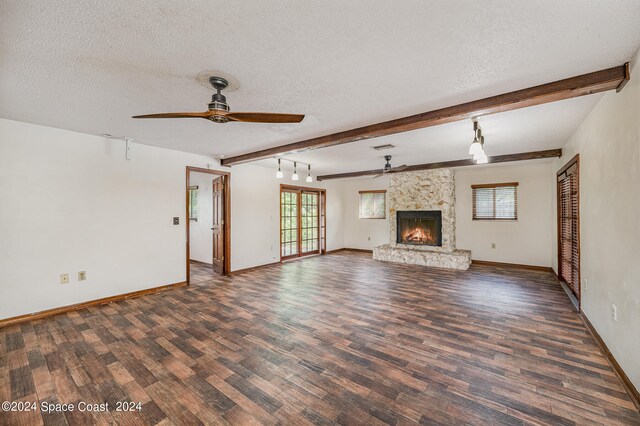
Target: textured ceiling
[89, 65]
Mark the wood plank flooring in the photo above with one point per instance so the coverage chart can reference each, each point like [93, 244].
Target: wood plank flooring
[337, 339]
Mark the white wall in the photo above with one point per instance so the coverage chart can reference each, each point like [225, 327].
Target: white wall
[256, 217]
[608, 142]
[363, 233]
[70, 202]
[200, 233]
[525, 241]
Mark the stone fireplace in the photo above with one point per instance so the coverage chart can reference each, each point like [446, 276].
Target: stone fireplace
[421, 227]
[421, 207]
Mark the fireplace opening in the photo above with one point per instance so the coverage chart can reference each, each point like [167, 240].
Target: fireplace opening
[423, 227]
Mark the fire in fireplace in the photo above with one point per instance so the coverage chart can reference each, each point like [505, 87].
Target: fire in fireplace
[423, 227]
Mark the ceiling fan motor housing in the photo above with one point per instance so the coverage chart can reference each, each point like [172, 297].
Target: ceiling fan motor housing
[218, 103]
[387, 166]
[218, 100]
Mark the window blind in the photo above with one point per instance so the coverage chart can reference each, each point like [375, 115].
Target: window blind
[495, 201]
[569, 225]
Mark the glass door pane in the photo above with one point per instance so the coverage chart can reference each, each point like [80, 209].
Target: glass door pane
[310, 228]
[289, 225]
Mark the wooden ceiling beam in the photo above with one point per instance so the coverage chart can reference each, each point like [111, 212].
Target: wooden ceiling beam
[535, 155]
[595, 82]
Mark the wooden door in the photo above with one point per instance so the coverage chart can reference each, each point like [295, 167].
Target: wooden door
[569, 226]
[218, 225]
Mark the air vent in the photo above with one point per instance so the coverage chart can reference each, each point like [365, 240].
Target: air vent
[382, 147]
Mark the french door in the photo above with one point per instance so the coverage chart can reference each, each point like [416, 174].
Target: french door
[302, 221]
[569, 226]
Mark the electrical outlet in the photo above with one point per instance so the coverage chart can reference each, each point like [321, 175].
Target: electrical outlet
[64, 278]
[82, 275]
[493, 245]
[614, 312]
[585, 284]
[369, 238]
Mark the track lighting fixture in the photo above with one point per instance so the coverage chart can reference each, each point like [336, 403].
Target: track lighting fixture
[294, 176]
[476, 146]
[480, 152]
[481, 158]
[309, 178]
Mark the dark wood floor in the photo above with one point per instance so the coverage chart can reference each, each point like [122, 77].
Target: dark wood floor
[330, 339]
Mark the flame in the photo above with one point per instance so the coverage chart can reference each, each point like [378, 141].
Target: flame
[418, 235]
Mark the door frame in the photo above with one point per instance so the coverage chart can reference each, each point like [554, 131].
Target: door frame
[322, 220]
[226, 193]
[575, 300]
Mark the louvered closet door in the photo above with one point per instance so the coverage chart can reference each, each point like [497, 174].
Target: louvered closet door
[569, 224]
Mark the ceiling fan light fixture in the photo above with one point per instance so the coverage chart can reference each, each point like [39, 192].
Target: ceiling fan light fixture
[279, 174]
[295, 176]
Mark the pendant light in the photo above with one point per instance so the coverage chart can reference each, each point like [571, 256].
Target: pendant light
[279, 174]
[476, 146]
[481, 157]
[480, 151]
[309, 178]
[294, 176]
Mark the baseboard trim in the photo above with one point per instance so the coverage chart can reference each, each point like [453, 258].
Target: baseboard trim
[69, 308]
[350, 249]
[335, 251]
[253, 268]
[628, 385]
[512, 265]
[198, 262]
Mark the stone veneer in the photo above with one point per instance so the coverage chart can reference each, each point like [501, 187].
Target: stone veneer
[424, 190]
[457, 259]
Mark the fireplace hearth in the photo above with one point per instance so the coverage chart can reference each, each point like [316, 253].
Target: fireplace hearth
[423, 227]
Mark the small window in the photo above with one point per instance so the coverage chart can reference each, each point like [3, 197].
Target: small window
[193, 203]
[495, 201]
[373, 205]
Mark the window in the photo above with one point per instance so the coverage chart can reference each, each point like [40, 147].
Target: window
[373, 205]
[495, 201]
[193, 203]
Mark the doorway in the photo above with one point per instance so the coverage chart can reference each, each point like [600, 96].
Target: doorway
[568, 190]
[208, 208]
[302, 221]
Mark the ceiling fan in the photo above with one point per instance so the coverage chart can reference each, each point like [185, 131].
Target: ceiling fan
[389, 169]
[219, 110]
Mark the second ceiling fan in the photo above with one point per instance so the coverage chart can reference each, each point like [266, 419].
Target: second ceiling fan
[219, 112]
[388, 169]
